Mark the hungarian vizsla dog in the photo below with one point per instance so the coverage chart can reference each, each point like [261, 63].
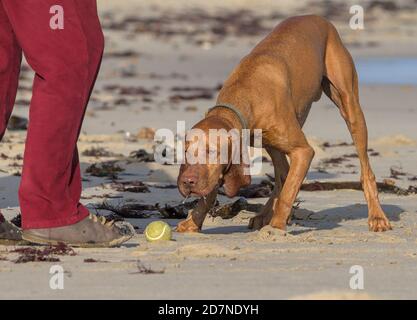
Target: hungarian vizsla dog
[272, 89]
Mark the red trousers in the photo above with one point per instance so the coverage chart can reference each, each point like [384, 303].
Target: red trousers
[66, 62]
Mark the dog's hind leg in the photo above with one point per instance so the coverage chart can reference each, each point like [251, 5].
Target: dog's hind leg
[196, 217]
[341, 85]
[281, 168]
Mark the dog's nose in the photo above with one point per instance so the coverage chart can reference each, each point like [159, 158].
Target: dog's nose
[189, 182]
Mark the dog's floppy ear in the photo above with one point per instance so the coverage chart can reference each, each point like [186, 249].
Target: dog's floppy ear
[234, 179]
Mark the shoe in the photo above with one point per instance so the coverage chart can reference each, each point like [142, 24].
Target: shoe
[9, 233]
[91, 232]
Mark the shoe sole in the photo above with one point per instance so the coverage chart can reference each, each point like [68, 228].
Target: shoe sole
[114, 243]
[8, 242]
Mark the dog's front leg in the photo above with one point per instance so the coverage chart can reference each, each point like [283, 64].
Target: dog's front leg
[281, 168]
[196, 217]
[300, 159]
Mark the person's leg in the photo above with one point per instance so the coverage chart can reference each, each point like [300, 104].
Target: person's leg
[65, 62]
[10, 59]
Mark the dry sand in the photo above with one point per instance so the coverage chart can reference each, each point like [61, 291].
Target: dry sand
[328, 233]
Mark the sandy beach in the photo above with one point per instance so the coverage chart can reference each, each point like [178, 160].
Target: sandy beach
[165, 62]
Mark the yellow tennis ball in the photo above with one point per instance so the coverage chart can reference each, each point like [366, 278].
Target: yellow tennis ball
[158, 230]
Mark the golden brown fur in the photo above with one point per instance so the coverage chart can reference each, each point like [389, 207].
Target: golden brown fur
[274, 87]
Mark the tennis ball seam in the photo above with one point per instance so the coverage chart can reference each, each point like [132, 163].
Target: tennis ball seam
[158, 237]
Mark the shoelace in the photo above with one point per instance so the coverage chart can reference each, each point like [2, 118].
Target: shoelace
[101, 219]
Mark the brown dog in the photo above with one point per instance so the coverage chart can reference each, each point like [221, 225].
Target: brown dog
[272, 89]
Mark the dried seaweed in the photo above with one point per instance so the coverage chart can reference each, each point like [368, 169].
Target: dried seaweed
[260, 190]
[23, 102]
[195, 23]
[165, 186]
[47, 254]
[230, 210]
[17, 123]
[334, 161]
[332, 145]
[142, 155]
[195, 88]
[195, 96]
[353, 185]
[386, 186]
[102, 196]
[176, 212]
[92, 260]
[396, 173]
[98, 152]
[383, 5]
[122, 54]
[134, 91]
[130, 186]
[193, 93]
[141, 211]
[350, 155]
[131, 210]
[105, 169]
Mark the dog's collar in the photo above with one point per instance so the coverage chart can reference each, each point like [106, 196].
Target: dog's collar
[236, 111]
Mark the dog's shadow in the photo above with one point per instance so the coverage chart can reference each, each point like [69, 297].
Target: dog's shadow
[227, 230]
[331, 218]
[327, 219]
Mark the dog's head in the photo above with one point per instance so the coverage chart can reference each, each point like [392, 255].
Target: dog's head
[199, 178]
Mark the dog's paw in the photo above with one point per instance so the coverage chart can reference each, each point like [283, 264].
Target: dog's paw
[187, 226]
[379, 224]
[269, 233]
